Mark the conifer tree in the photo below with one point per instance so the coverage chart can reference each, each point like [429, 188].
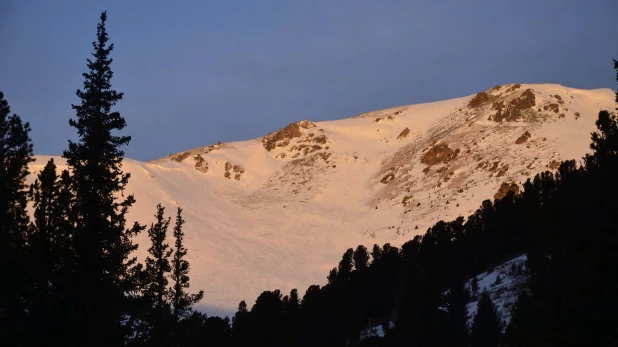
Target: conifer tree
[604, 143]
[217, 332]
[520, 331]
[293, 301]
[332, 276]
[345, 265]
[47, 227]
[376, 253]
[15, 155]
[50, 256]
[241, 326]
[181, 300]
[157, 269]
[48, 247]
[486, 326]
[457, 308]
[361, 258]
[101, 243]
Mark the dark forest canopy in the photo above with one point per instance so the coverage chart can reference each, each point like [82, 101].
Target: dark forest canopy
[70, 277]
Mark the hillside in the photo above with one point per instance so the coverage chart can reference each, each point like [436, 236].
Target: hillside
[278, 212]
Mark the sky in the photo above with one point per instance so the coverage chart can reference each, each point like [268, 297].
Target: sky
[198, 72]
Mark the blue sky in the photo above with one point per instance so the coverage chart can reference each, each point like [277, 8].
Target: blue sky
[198, 72]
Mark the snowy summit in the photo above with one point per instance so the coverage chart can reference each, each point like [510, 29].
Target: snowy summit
[279, 211]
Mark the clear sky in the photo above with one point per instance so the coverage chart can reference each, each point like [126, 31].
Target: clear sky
[196, 72]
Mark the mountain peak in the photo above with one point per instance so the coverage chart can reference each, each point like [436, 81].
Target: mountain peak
[278, 211]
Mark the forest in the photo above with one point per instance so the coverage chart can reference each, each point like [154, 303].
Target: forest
[70, 278]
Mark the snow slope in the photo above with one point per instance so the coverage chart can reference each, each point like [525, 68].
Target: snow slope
[278, 212]
[503, 293]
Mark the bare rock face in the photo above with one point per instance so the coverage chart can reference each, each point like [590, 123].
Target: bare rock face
[381, 119]
[552, 107]
[559, 99]
[238, 170]
[513, 87]
[523, 138]
[181, 157]
[307, 144]
[479, 100]
[388, 178]
[439, 154]
[404, 133]
[515, 108]
[505, 188]
[200, 164]
[553, 165]
[506, 102]
[282, 137]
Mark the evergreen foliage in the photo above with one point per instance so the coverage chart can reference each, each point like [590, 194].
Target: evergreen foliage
[15, 155]
[156, 291]
[102, 245]
[181, 300]
[521, 330]
[457, 309]
[487, 325]
[361, 258]
[49, 247]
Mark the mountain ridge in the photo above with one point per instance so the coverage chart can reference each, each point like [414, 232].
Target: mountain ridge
[279, 210]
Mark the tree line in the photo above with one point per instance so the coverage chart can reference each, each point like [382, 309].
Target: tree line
[70, 277]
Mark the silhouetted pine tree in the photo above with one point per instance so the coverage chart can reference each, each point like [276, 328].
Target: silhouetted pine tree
[267, 319]
[486, 326]
[180, 299]
[190, 331]
[361, 258]
[457, 308]
[291, 320]
[332, 276]
[376, 253]
[101, 243]
[293, 302]
[521, 329]
[241, 326]
[49, 247]
[217, 332]
[156, 290]
[345, 265]
[15, 155]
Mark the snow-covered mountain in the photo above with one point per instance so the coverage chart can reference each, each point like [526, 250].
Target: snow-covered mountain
[279, 211]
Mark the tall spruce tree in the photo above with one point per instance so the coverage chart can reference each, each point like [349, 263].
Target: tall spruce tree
[101, 243]
[181, 300]
[48, 227]
[457, 308]
[48, 244]
[361, 258]
[15, 155]
[521, 330]
[486, 326]
[156, 272]
[346, 265]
